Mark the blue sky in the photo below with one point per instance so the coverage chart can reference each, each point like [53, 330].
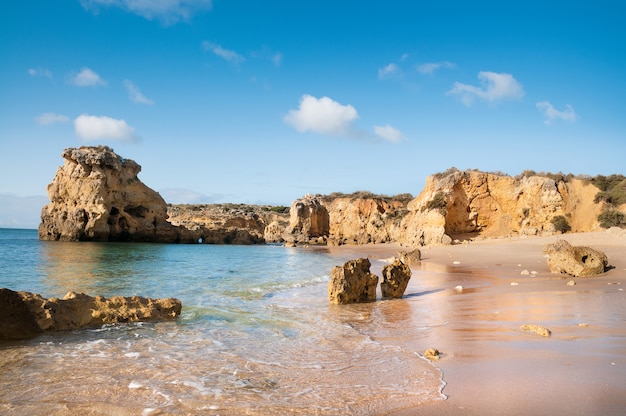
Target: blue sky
[265, 101]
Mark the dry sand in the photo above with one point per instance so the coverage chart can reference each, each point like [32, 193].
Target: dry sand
[492, 367]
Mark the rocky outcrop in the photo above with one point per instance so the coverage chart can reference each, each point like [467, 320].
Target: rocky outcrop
[577, 261]
[308, 223]
[396, 277]
[211, 222]
[361, 220]
[494, 205]
[76, 311]
[410, 258]
[352, 283]
[16, 320]
[97, 196]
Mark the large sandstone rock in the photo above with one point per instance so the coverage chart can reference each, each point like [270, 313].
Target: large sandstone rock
[577, 261]
[396, 277]
[352, 283]
[16, 320]
[309, 221]
[97, 196]
[76, 311]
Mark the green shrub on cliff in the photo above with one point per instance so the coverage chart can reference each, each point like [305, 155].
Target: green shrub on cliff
[560, 224]
[438, 202]
[611, 218]
[612, 189]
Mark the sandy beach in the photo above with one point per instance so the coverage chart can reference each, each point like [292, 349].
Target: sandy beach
[489, 365]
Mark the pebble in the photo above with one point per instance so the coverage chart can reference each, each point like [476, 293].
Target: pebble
[525, 273]
[456, 262]
[539, 330]
[459, 288]
[514, 284]
[571, 283]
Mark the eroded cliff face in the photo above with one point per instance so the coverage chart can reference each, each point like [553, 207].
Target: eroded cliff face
[492, 205]
[97, 196]
[364, 220]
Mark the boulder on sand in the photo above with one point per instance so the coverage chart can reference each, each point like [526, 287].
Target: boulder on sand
[577, 261]
[16, 320]
[396, 277]
[352, 283]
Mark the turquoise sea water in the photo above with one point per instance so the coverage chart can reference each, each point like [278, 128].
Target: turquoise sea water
[256, 335]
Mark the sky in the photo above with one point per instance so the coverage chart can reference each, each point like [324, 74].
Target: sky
[262, 102]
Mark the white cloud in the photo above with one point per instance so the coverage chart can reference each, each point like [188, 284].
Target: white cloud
[388, 133]
[322, 115]
[40, 72]
[553, 114]
[87, 78]
[135, 95]
[49, 118]
[91, 128]
[388, 71]
[167, 11]
[494, 87]
[431, 67]
[230, 56]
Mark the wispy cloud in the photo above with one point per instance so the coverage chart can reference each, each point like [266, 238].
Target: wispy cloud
[91, 128]
[322, 115]
[553, 114]
[86, 78]
[431, 67]
[226, 54]
[388, 71]
[265, 53]
[494, 87]
[168, 12]
[39, 72]
[50, 118]
[389, 133]
[135, 95]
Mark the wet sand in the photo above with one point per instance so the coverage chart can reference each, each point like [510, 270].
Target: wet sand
[492, 367]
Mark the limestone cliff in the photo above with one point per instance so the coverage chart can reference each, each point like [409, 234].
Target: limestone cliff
[308, 222]
[495, 205]
[97, 196]
[364, 220]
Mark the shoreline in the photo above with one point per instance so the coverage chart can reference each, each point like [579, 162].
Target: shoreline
[491, 366]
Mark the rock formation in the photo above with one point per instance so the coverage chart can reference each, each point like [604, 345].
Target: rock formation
[352, 283]
[97, 196]
[29, 314]
[363, 220]
[410, 258]
[309, 222]
[396, 277]
[492, 205]
[577, 261]
[16, 320]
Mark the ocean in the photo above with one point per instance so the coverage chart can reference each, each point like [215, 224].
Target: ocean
[256, 335]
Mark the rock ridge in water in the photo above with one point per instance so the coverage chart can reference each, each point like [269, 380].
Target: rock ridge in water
[30, 313]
